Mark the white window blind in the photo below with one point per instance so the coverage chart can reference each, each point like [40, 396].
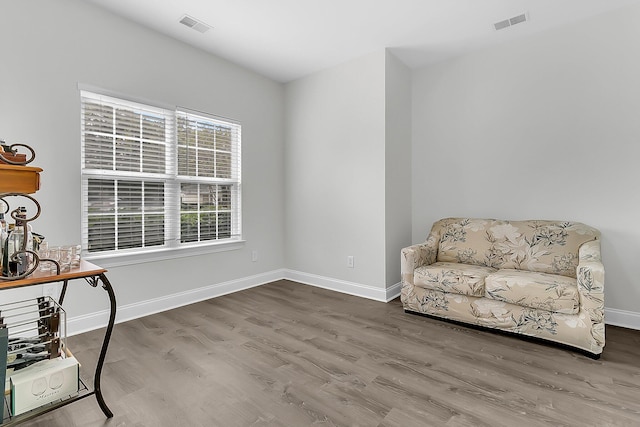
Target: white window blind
[209, 176]
[155, 178]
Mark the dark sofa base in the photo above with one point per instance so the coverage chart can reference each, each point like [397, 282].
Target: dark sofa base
[593, 356]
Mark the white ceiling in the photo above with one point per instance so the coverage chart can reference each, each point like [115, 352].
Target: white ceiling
[287, 39]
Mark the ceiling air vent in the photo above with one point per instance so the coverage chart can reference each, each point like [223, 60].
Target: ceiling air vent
[510, 22]
[194, 23]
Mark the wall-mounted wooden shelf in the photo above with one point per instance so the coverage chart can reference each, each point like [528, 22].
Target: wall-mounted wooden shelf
[19, 179]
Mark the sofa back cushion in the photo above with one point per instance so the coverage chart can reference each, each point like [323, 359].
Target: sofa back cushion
[542, 246]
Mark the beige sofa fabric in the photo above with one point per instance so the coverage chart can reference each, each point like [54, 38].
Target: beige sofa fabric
[545, 291]
[543, 246]
[544, 278]
[453, 277]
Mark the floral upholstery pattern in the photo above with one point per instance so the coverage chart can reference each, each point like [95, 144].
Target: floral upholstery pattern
[549, 292]
[453, 277]
[543, 246]
[544, 279]
[417, 255]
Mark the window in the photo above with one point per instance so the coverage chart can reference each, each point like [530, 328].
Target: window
[156, 178]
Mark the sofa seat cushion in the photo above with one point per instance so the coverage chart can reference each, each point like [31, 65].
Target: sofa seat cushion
[550, 292]
[453, 278]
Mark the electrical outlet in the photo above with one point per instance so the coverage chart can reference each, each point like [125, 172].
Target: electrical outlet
[350, 261]
[254, 256]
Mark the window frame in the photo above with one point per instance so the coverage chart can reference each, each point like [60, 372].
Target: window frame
[172, 180]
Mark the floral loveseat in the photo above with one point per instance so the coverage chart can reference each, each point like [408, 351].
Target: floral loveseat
[544, 279]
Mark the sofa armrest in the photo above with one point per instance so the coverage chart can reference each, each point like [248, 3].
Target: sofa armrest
[416, 255]
[590, 275]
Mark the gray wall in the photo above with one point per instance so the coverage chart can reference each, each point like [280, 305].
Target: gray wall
[348, 172]
[334, 157]
[547, 127]
[47, 48]
[397, 164]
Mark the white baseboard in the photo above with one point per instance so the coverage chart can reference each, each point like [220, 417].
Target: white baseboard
[626, 319]
[89, 322]
[351, 288]
[393, 292]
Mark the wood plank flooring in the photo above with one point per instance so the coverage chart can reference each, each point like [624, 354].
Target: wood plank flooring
[286, 354]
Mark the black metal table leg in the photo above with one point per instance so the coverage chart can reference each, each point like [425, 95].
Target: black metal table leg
[105, 344]
[63, 292]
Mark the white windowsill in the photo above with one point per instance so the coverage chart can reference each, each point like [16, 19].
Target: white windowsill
[117, 260]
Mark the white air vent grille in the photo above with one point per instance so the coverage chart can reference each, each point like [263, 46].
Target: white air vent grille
[511, 21]
[195, 24]
[502, 24]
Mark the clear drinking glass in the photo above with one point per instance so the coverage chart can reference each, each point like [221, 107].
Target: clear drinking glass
[65, 258]
[54, 254]
[76, 255]
[43, 252]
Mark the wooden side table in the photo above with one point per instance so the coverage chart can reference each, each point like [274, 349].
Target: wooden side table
[94, 276]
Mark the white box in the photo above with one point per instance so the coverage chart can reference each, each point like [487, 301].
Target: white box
[42, 383]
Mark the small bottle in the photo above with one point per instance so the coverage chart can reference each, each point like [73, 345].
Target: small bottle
[4, 233]
[5, 251]
[19, 242]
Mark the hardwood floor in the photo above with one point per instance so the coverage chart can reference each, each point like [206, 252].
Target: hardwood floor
[286, 354]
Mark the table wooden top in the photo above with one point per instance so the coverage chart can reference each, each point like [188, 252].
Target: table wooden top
[86, 269]
[19, 179]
